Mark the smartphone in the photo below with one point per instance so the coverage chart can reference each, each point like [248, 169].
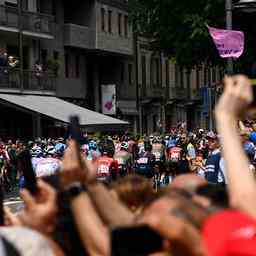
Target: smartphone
[74, 130]
[25, 166]
[135, 241]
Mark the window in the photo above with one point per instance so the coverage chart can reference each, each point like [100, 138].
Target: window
[110, 21]
[122, 72]
[77, 66]
[177, 77]
[44, 57]
[143, 71]
[205, 77]
[125, 25]
[181, 77]
[24, 5]
[56, 55]
[209, 77]
[197, 78]
[119, 24]
[67, 65]
[155, 71]
[214, 75]
[130, 73]
[103, 19]
[167, 72]
[188, 79]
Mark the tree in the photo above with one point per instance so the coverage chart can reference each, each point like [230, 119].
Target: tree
[178, 28]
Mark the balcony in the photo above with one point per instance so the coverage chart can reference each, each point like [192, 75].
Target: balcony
[152, 93]
[33, 82]
[33, 24]
[179, 93]
[196, 95]
[79, 36]
[89, 38]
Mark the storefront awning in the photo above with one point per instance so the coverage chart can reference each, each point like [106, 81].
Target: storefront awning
[61, 110]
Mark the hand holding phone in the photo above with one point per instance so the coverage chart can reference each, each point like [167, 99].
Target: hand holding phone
[25, 166]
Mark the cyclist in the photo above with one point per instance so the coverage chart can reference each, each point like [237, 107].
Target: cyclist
[93, 151]
[107, 167]
[145, 163]
[124, 159]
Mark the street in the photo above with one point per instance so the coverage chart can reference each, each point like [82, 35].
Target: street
[13, 201]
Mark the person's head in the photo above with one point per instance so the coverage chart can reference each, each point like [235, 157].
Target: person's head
[213, 142]
[134, 191]
[124, 146]
[183, 138]
[147, 147]
[188, 182]
[92, 145]
[212, 195]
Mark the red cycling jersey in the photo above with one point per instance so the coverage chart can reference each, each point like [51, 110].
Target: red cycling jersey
[106, 165]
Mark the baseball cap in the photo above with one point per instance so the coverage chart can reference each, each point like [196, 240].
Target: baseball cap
[211, 135]
[230, 233]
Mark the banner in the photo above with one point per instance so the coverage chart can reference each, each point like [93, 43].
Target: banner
[230, 43]
[108, 93]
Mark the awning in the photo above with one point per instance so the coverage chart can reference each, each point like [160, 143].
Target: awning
[61, 110]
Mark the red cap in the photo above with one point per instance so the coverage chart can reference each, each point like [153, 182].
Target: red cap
[230, 233]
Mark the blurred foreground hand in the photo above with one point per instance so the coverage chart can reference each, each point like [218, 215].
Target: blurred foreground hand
[40, 213]
[75, 168]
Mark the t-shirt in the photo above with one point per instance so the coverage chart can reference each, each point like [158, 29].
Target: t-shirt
[47, 167]
[27, 242]
[213, 172]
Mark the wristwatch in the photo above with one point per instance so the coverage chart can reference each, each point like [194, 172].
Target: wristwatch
[74, 190]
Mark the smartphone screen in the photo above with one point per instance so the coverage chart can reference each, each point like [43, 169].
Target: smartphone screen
[25, 166]
[135, 241]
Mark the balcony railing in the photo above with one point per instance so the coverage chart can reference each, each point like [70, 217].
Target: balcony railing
[33, 22]
[152, 92]
[179, 93]
[32, 80]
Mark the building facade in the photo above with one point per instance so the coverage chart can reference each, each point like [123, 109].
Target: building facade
[82, 45]
[78, 46]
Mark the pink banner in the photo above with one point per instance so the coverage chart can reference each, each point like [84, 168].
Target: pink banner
[230, 43]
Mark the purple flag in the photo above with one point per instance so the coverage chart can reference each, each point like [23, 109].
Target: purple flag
[230, 43]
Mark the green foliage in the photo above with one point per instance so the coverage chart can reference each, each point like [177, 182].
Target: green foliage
[179, 27]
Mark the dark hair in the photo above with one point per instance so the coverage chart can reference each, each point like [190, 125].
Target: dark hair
[216, 193]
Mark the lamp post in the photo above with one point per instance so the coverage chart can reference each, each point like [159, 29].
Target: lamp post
[248, 6]
[229, 26]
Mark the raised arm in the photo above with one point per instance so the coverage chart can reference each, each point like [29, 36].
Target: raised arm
[93, 233]
[233, 103]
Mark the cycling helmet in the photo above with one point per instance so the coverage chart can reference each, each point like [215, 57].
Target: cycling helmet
[50, 150]
[36, 152]
[125, 146]
[92, 145]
